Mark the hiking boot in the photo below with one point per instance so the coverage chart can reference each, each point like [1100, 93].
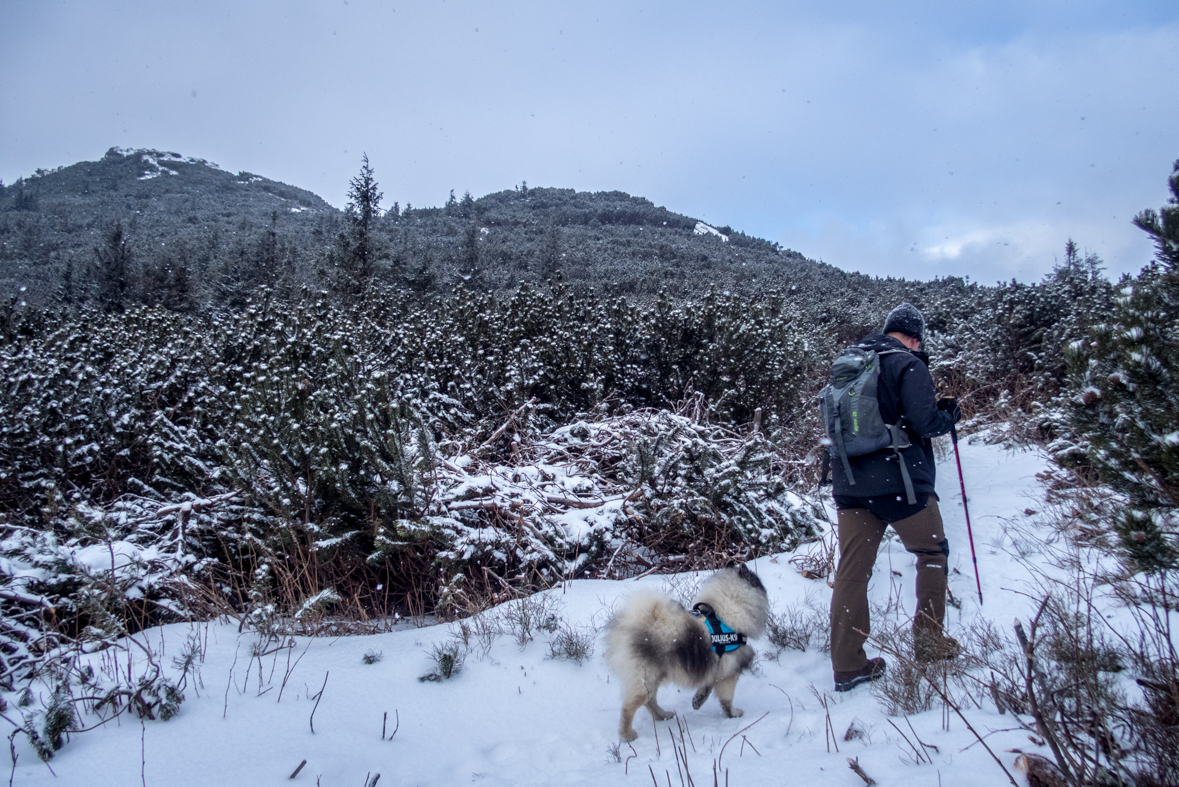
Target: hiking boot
[931, 645]
[846, 681]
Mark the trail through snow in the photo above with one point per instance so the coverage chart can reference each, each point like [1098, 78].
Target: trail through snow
[516, 717]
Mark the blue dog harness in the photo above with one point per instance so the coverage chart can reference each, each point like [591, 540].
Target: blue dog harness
[724, 639]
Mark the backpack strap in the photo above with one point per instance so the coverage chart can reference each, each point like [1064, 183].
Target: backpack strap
[833, 403]
[900, 440]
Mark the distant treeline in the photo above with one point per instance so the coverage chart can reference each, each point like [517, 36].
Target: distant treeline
[198, 237]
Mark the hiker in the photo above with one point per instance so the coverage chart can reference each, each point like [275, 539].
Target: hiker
[890, 486]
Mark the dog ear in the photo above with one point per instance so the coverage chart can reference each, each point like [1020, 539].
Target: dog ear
[747, 575]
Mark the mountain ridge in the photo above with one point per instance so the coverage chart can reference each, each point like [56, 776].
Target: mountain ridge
[236, 231]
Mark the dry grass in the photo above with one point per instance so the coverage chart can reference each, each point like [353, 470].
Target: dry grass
[799, 627]
[1069, 667]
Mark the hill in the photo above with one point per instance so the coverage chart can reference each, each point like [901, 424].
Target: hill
[174, 210]
[350, 447]
[229, 233]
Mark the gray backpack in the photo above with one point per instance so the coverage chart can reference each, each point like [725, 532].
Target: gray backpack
[851, 413]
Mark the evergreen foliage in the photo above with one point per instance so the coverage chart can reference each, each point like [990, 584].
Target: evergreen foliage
[112, 270]
[232, 231]
[321, 427]
[359, 249]
[1125, 377]
[298, 408]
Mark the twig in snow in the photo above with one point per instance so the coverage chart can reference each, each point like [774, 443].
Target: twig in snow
[579, 503]
[854, 764]
[721, 756]
[185, 507]
[318, 697]
[299, 768]
[829, 728]
[920, 756]
[923, 743]
[511, 419]
[788, 699]
[649, 571]
[291, 668]
[680, 770]
[945, 698]
[12, 751]
[225, 708]
[1044, 724]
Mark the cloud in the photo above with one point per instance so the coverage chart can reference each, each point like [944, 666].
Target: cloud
[987, 159]
[910, 139]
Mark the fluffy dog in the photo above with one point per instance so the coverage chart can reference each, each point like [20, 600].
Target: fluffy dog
[653, 639]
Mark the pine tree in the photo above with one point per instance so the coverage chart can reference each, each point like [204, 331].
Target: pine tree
[1163, 227]
[359, 249]
[112, 269]
[66, 291]
[469, 258]
[550, 254]
[467, 206]
[266, 255]
[1126, 403]
[178, 296]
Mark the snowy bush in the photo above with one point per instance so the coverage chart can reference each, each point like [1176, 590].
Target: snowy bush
[448, 658]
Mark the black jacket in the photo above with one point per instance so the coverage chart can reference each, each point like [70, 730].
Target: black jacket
[907, 395]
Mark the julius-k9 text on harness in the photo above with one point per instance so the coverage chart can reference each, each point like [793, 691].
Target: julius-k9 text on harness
[724, 639]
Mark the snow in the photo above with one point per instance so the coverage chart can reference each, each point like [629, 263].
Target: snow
[704, 229]
[515, 717]
[152, 158]
[120, 554]
[579, 524]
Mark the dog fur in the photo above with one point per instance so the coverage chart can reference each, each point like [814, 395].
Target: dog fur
[653, 640]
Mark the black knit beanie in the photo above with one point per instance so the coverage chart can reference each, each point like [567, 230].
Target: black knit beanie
[907, 320]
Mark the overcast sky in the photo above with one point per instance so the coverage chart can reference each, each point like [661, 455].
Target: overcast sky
[910, 139]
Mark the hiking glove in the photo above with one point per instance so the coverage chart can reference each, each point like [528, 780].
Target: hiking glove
[950, 405]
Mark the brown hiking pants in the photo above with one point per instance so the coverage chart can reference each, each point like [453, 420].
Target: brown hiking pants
[859, 538]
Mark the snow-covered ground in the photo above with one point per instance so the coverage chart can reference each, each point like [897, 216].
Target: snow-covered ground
[515, 716]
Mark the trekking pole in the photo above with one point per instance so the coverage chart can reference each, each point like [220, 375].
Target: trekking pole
[966, 508]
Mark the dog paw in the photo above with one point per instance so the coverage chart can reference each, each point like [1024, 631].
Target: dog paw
[700, 698]
[734, 713]
[663, 715]
[628, 735]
